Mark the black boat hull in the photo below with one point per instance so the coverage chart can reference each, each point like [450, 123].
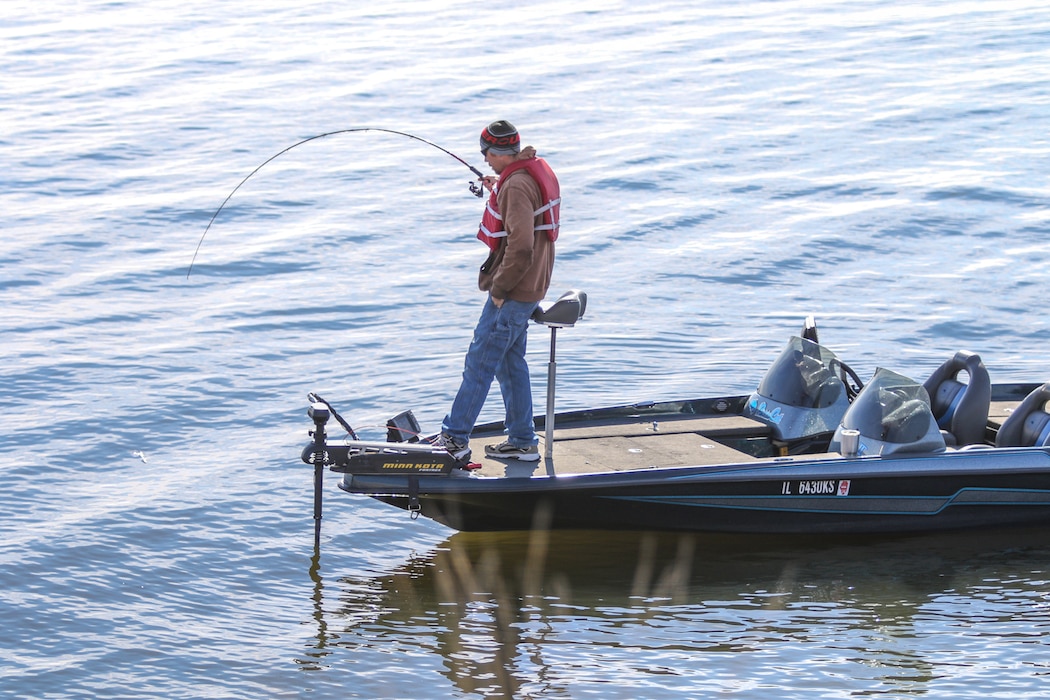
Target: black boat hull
[792, 495]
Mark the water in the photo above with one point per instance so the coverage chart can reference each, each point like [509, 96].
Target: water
[727, 169]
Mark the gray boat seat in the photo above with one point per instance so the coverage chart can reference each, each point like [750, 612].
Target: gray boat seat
[1029, 424]
[565, 312]
[961, 408]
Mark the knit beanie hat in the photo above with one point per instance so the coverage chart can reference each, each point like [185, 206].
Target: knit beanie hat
[501, 138]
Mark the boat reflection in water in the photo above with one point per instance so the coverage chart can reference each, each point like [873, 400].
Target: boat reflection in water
[530, 614]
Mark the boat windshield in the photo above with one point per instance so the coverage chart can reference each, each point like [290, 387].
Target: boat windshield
[892, 408]
[803, 376]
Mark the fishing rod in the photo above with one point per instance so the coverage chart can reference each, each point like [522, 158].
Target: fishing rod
[475, 187]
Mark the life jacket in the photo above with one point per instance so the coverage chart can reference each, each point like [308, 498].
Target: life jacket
[491, 230]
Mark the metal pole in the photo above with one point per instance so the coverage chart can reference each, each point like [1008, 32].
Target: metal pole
[319, 412]
[548, 423]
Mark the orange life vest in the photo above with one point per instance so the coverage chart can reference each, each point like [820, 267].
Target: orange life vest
[491, 230]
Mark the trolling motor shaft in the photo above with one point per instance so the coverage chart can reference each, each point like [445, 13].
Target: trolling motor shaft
[320, 414]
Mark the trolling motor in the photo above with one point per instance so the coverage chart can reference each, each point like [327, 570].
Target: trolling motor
[401, 455]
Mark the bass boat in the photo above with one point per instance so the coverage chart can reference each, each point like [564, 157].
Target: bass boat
[813, 450]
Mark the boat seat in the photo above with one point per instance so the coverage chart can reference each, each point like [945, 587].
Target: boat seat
[961, 408]
[1029, 424]
[565, 312]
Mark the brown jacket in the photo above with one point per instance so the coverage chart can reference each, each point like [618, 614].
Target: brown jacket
[520, 269]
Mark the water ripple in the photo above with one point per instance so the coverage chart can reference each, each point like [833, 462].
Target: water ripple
[727, 170]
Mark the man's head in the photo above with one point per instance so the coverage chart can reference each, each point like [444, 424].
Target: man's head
[500, 144]
[501, 138]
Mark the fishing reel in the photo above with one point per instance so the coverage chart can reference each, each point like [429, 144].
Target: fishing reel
[476, 188]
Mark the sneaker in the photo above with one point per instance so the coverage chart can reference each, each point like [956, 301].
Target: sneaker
[505, 450]
[459, 450]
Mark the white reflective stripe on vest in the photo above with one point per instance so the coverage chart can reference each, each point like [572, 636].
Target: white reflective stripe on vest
[548, 206]
[493, 234]
[539, 212]
[545, 208]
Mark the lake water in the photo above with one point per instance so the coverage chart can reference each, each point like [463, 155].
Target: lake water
[727, 169]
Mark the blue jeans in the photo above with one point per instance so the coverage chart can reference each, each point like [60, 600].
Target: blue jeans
[497, 352]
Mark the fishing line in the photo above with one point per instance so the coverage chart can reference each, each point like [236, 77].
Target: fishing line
[475, 187]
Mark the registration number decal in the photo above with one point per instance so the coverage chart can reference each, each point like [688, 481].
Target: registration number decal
[826, 487]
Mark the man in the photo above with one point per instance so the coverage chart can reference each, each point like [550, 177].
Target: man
[520, 226]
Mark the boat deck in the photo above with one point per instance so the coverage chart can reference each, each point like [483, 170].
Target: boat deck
[998, 411]
[641, 444]
[646, 442]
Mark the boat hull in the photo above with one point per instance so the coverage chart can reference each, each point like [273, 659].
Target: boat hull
[791, 495]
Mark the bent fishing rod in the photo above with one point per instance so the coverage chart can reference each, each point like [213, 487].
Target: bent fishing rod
[475, 187]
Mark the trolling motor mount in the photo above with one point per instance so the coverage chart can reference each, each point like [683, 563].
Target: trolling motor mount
[364, 457]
